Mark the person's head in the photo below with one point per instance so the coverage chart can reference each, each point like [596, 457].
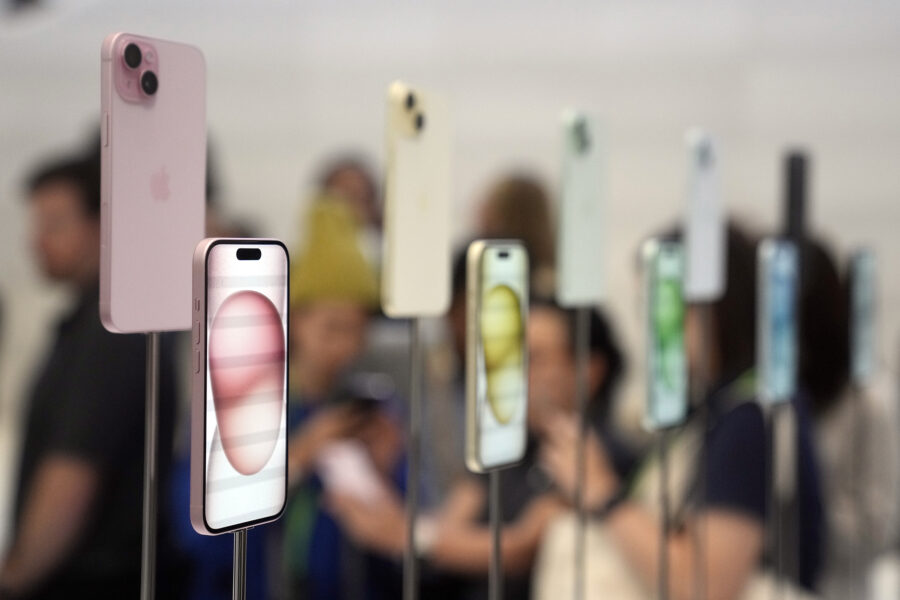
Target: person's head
[518, 207]
[823, 327]
[732, 327]
[333, 292]
[552, 332]
[352, 180]
[64, 210]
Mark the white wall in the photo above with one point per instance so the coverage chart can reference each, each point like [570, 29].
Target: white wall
[290, 83]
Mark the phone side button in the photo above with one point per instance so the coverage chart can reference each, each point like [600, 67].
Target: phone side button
[196, 332]
[104, 129]
[196, 361]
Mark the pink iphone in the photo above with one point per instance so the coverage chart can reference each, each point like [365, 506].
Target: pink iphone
[239, 390]
[153, 130]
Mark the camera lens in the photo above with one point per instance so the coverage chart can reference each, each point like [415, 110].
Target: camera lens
[582, 137]
[410, 101]
[420, 121]
[149, 83]
[132, 56]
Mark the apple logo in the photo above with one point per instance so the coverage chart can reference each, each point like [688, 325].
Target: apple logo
[159, 185]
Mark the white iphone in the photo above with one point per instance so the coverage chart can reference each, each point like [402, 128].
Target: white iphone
[240, 382]
[776, 347]
[667, 375]
[581, 233]
[416, 270]
[705, 224]
[153, 181]
[496, 354]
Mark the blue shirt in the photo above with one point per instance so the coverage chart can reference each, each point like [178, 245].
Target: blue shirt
[737, 474]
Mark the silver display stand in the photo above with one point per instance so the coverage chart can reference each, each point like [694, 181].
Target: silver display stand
[702, 383]
[665, 523]
[783, 534]
[413, 467]
[151, 475]
[495, 572]
[239, 573]
[582, 360]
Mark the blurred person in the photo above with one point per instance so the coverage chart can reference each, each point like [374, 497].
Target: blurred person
[331, 422]
[856, 431]
[455, 538]
[350, 179]
[78, 505]
[518, 207]
[724, 500]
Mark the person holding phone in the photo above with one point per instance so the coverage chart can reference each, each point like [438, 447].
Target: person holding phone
[454, 539]
[77, 520]
[337, 438]
[724, 498]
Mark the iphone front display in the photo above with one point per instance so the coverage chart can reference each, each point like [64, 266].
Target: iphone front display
[777, 321]
[862, 315]
[665, 318]
[496, 374]
[239, 439]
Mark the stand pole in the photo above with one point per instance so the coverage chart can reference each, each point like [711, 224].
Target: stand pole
[151, 482]
[582, 357]
[773, 521]
[414, 433]
[239, 573]
[665, 523]
[783, 439]
[702, 388]
[495, 575]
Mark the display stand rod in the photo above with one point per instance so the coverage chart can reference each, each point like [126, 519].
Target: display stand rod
[857, 586]
[414, 434]
[239, 568]
[775, 426]
[772, 509]
[664, 520]
[582, 358]
[495, 574]
[151, 481]
[702, 385]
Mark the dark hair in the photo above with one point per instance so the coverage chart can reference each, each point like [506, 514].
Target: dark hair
[458, 272]
[734, 314]
[523, 204]
[824, 323]
[352, 162]
[735, 311]
[81, 171]
[602, 342]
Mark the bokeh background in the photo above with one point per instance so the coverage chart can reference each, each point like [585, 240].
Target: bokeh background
[291, 84]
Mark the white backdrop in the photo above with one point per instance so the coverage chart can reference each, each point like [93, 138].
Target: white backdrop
[291, 83]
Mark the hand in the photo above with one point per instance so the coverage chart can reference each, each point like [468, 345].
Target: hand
[558, 454]
[383, 438]
[328, 425]
[380, 526]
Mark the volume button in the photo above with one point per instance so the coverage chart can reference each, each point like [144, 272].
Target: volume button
[104, 129]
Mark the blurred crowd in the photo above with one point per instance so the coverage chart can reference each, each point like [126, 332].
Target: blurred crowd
[78, 499]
